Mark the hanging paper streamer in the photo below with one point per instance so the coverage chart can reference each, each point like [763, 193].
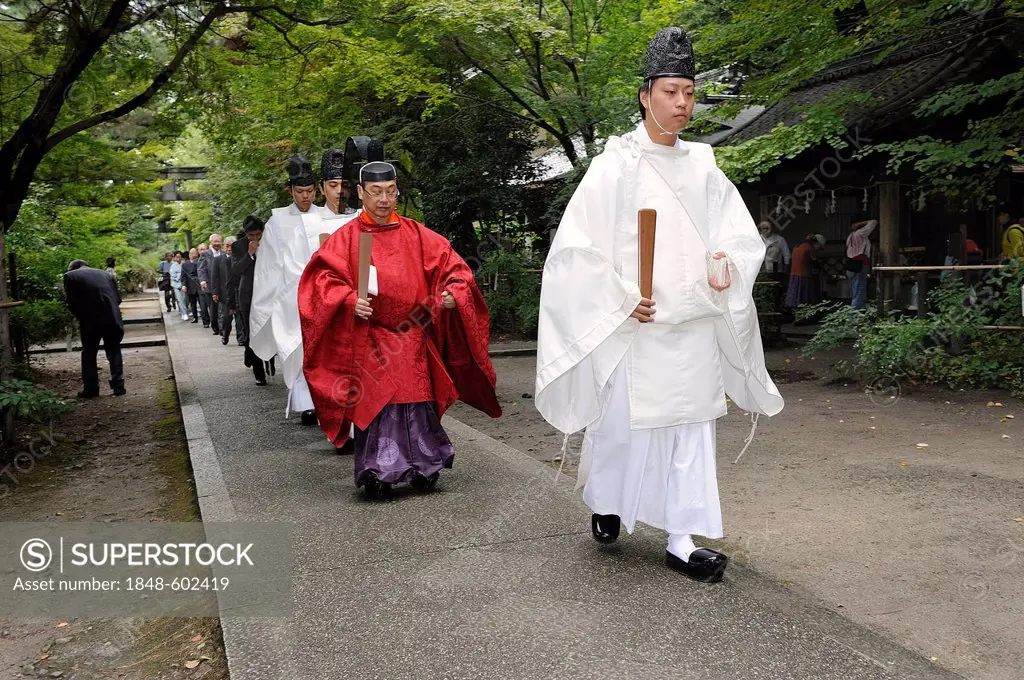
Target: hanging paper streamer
[920, 201]
[833, 201]
[807, 205]
[778, 206]
[864, 205]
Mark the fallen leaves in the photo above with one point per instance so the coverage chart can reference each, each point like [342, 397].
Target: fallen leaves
[922, 445]
[903, 463]
[994, 404]
[194, 663]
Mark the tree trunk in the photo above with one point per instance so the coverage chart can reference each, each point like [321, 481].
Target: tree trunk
[7, 424]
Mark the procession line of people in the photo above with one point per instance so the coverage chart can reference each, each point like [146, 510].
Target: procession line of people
[379, 326]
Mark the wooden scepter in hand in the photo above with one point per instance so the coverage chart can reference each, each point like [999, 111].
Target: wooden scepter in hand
[363, 285]
[647, 220]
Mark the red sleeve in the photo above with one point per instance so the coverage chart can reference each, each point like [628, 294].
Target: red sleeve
[462, 334]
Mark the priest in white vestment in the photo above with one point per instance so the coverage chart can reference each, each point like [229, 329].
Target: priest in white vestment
[291, 236]
[647, 378]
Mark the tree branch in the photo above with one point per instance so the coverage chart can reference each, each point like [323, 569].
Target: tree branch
[154, 12]
[142, 98]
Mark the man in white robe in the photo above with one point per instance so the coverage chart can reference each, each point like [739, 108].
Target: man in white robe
[290, 238]
[647, 378]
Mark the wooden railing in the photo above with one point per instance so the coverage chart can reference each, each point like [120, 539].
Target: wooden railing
[923, 283]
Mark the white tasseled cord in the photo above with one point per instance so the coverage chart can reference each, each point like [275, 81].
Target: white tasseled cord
[565, 452]
[750, 437]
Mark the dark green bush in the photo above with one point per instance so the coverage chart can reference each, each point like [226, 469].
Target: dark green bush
[44, 320]
[949, 346]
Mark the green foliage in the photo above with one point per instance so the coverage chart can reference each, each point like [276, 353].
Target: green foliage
[31, 403]
[969, 168]
[47, 236]
[472, 166]
[749, 160]
[782, 43]
[44, 320]
[949, 346]
[515, 302]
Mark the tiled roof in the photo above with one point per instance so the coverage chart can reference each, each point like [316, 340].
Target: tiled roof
[555, 163]
[898, 82]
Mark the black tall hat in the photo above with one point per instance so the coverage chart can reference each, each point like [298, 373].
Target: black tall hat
[252, 223]
[377, 171]
[332, 165]
[360, 151]
[300, 172]
[669, 55]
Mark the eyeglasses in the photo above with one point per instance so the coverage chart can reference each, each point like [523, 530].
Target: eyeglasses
[391, 195]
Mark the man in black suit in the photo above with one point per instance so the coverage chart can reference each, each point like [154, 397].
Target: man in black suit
[190, 279]
[92, 296]
[206, 263]
[243, 257]
[220, 275]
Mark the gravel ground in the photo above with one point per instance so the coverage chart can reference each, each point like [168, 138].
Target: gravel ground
[836, 499]
[114, 459]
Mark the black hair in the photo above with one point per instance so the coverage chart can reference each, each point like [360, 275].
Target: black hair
[110, 261]
[645, 87]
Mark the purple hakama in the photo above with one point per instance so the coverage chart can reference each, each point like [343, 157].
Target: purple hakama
[402, 441]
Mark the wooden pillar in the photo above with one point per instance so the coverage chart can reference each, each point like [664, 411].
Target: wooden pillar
[889, 232]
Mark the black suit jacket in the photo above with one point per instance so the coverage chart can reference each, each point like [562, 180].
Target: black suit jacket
[220, 275]
[242, 268]
[92, 296]
[206, 265]
[190, 277]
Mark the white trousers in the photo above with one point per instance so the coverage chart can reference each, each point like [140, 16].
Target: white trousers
[664, 477]
[299, 398]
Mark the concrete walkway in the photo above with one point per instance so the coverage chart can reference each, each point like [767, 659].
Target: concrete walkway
[494, 575]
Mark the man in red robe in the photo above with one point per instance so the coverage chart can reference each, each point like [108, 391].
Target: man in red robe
[388, 366]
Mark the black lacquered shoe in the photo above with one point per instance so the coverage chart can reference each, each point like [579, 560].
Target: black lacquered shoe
[347, 449]
[421, 483]
[605, 528]
[309, 417]
[705, 565]
[375, 489]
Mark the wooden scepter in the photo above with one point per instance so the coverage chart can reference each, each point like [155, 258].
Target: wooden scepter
[647, 220]
[365, 251]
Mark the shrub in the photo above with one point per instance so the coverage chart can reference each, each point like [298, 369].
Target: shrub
[949, 346]
[31, 403]
[515, 302]
[44, 320]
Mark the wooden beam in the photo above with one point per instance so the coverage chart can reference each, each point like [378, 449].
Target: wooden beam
[889, 230]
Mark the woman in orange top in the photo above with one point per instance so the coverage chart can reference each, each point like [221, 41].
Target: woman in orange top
[803, 284]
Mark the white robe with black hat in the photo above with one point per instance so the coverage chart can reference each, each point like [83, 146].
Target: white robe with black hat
[289, 240]
[648, 394]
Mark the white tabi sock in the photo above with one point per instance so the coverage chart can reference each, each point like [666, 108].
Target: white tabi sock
[681, 545]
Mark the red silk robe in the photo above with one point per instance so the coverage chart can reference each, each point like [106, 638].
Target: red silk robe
[411, 349]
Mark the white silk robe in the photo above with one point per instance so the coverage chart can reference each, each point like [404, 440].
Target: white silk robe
[702, 346]
[289, 240]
